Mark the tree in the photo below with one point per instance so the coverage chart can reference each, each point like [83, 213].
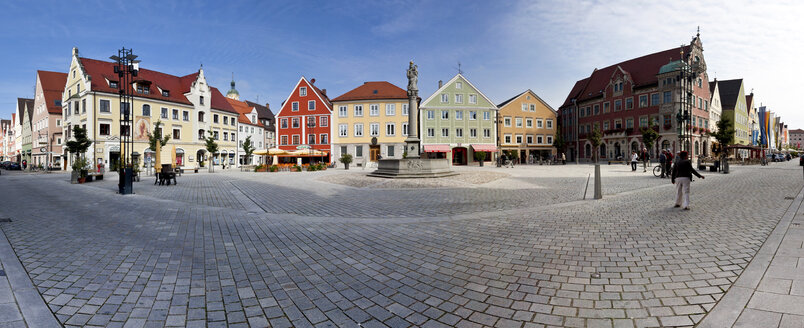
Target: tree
[649, 136]
[724, 134]
[594, 139]
[81, 143]
[558, 141]
[212, 148]
[157, 135]
[248, 148]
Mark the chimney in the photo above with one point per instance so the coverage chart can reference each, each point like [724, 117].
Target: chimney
[312, 81]
[440, 83]
[324, 91]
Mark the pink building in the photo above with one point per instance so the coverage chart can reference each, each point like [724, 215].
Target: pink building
[46, 129]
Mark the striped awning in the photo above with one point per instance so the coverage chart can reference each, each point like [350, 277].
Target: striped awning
[437, 148]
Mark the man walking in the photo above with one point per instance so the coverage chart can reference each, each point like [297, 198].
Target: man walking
[683, 172]
[668, 161]
[662, 159]
[563, 159]
[645, 159]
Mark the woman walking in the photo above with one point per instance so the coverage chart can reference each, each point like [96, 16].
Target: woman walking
[634, 160]
[683, 172]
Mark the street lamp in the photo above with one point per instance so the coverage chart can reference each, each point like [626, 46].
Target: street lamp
[310, 126]
[127, 69]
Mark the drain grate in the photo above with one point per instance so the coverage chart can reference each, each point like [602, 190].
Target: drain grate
[2, 220]
[789, 197]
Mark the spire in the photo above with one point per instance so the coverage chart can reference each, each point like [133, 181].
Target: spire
[233, 94]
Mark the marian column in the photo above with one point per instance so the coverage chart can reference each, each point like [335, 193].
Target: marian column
[412, 142]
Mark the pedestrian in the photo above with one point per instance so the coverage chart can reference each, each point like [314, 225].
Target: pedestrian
[662, 160]
[645, 159]
[683, 172]
[634, 160]
[668, 162]
[563, 159]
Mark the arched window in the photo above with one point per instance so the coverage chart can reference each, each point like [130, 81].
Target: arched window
[603, 150]
[696, 148]
[201, 134]
[635, 146]
[587, 151]
[146, 110]
[200, 116]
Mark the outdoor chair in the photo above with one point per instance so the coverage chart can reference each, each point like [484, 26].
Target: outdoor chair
[166, 175]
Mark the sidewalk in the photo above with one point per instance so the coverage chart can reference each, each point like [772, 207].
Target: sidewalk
[770, 292]
[21, 305]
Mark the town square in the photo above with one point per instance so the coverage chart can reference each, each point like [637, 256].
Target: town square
[401, 164]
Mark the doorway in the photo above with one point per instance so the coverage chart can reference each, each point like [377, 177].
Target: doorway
[374, 152]
[114, 161]
[459, 156]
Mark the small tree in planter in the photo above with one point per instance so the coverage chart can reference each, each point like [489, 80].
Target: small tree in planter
[346, 159]
[480, 156]
[212, 148]
[78, 148]
[594, 138]
[248, 148]
[157, 135]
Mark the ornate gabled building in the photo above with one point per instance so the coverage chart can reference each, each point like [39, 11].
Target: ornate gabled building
[46, 123]
[651, 91]
[304, 123]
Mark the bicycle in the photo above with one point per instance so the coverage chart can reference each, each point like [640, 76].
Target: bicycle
[508, 163]
[657, 171]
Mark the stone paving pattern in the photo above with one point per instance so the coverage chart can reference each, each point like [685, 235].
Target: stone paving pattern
[181, 256]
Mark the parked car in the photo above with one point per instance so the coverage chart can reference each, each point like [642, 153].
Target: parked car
[14, 166]
[778, 157]
[801, 160]
[3, 164]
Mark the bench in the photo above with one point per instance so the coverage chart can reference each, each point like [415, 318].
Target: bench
[711, 166]
[247, 168]
[94, 175]
[166, 175]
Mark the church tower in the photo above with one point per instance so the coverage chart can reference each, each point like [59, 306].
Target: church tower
[233, 94]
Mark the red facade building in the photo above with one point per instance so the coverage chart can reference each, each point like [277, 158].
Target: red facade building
[304, 121]
[646, 92]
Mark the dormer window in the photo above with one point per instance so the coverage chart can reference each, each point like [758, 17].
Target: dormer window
[143, 89]
[165, 93]
[113, 84]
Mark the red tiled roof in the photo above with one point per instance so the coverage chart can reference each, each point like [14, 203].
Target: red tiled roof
[323, 96]
[100, 71]
[243, 109]
[374, 90]
[52, 86]
[643, 72]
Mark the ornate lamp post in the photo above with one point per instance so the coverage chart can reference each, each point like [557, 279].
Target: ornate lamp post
[127, 68]
[310, 126]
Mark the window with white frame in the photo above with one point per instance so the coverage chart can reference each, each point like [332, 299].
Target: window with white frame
[529, 139]
[374, 110]
[311, 105]
[458, 85]
[549, 123]
[486, 133]
[473, 133]
[374, 129]
[507, 121]
[294, 106]
[311, 139]
[445, 132]
[539, 123]
[404, 109]
[343, 130]
[524, 107]
[390, 109]
[430, 115]
[294, 122]
[539, 139]
[390, 129]
[405, 129]
[358, 110]
[486, 115]
[549, 140]
[283, 140]
[444, 114]
[532, 107]
[342, 111]
[302, 91]
[358, 129]
[324, 121]
[472, 115]
[430, 132]
[519, 122]
[507, 138]
[519, 138]
[283, 123]
[458, 98]
[459, 132]
[444, 98]
[105, 106]
[473, 99]
[458, 114]
[529, 123]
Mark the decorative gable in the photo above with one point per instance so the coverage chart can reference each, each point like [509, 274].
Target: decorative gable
[458, 92]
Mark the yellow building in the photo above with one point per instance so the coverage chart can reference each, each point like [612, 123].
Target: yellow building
[527, 125]
[370, 121]
[187, 108]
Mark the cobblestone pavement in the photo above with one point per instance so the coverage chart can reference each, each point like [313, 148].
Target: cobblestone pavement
[521, 251]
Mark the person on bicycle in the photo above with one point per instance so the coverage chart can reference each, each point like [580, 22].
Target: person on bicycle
[662, 160]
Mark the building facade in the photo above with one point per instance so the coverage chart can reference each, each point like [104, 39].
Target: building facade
[456, 121]
[25, 111]
[187, 108]
[732, 95]
[527, 125]
[267, 119]
[6, 137]
[248, 126]
[370, 122]
[796, 138]
[715, 112]
[47, 119]
[303, 122]
[646, 92]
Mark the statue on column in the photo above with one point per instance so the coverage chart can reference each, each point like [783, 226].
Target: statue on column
[413, 78]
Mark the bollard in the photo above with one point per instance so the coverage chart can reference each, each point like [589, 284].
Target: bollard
[598, 187]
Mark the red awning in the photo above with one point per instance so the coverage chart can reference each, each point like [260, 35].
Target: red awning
[437, 148]
[486, 148]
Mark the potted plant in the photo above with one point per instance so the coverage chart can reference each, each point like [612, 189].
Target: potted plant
[78, 147]
[346, 159]
[480, 157]
[80, 166]
[274, 168]
[296, 168]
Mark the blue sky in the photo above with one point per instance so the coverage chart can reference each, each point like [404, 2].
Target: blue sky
[504, 47]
